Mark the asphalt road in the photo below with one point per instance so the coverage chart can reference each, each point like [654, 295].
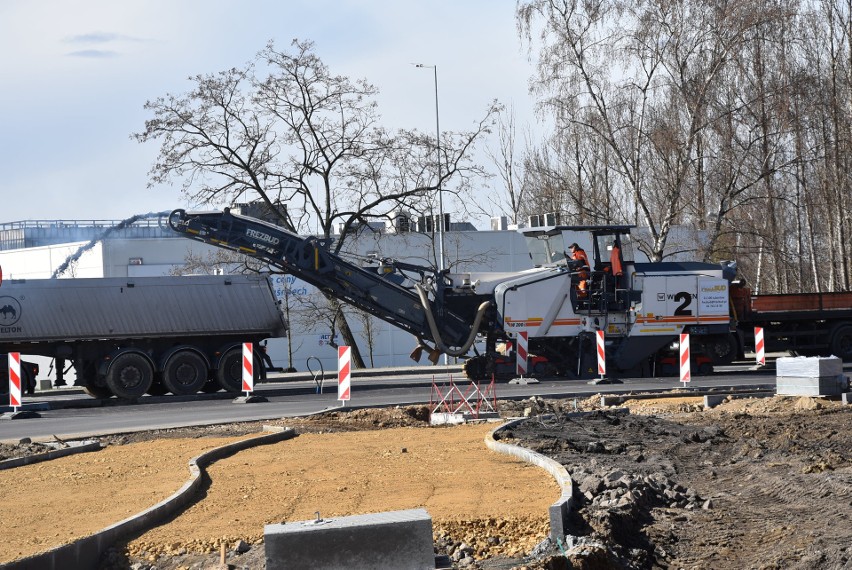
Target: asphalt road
[69, 414]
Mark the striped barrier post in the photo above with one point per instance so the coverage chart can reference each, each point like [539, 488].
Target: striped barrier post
[601, 353]
[15, 380]
[344, 364]
[522, 354]
[759, 347]
[685, 372]
[248, 368]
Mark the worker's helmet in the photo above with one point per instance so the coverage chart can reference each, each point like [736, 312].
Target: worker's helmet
[573, 246]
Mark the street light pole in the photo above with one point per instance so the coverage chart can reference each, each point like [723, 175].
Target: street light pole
[440, 194]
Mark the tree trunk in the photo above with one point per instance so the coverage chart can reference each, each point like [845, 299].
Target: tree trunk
[346, 332]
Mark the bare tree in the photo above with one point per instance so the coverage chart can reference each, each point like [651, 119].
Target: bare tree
[508, 164]
[642, 79]
[369, 332]
[285, 130]
[216, 262]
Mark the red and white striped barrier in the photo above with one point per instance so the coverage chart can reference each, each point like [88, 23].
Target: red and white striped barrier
[15, 380]
[344, 371]
[522, 353]
[685, 371]
[601, 353]
[248, 367]
[759, 347]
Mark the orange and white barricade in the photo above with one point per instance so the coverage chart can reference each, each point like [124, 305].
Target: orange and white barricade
[522, 353]
[759, 347]
[685, 370]
[15, 380]
[248, 367]
[344, 372]
[599, 335]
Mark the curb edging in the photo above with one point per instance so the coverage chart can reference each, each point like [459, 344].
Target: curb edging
[86, 552]
[561, 509]
[48, 455]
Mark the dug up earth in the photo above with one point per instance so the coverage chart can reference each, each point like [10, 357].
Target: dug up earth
[752, 483]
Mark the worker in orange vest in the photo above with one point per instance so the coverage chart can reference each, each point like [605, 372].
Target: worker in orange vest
[616, 264]
[581, 265]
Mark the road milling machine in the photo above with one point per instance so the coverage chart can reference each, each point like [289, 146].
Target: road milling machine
[560, 303]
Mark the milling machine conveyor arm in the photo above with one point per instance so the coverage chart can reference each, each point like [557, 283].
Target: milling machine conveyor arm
[310, 259]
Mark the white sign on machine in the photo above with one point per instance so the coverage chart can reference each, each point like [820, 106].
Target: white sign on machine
[670, 303]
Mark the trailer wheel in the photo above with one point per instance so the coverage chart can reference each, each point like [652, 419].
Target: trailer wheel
[185, 373]
[722, 348]
[474, 368]
[229, 375]
[89, 380]
[28, 382]
[841, 343]
[130, 375]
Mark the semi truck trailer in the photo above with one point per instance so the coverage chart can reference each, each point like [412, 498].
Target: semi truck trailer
[126, 337]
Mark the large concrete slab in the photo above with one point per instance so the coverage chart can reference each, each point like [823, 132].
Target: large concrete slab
[818, 386]
[395, 540]
[808, 366]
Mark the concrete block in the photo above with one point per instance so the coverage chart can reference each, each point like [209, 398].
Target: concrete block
[446, 418]
[808, 366]
[713, 400]
[523, 381]
[819, 386]
[847, 398]
[396, 540]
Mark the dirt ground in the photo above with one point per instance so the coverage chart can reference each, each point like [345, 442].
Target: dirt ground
[759, 483]
[363, 461]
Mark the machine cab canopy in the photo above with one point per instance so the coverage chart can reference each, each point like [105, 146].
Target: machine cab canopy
[549, 245]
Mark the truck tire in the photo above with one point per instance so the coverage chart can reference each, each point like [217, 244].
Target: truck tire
[130, 375]
[841, 343]
[229, 375]
[185, 373]
[722, 349]
[88, 379]
[474, 368]
[28, 382]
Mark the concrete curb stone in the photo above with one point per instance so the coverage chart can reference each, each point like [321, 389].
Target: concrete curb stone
[48, 455]
[561, 509]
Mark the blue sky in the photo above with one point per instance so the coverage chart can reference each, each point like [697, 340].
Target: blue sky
[76, 75]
